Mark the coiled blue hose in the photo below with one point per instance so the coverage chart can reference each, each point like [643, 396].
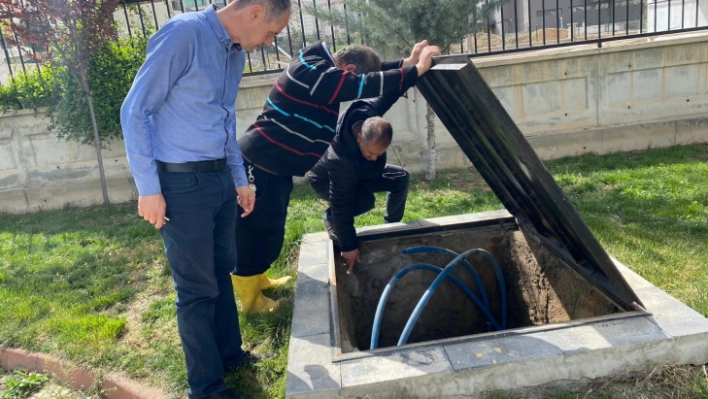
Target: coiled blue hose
[442, 275]
[453, 255]
[420, 266]
[434, 286]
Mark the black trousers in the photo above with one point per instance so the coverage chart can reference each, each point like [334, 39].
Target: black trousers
[260, 235]
[200, 246]
[394, 179]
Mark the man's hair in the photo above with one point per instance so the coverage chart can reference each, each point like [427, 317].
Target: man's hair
[376, 130]
[365, 59]
[274, 8]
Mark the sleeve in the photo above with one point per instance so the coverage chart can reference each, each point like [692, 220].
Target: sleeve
[235, 160]
[380, 105]
[333, 85]
[394, 64]
[169, 54]
[342, 189]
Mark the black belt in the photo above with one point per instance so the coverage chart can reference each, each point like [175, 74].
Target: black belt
[214, 165]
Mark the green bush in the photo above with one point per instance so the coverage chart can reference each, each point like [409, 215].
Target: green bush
[113, 69]
[29, 90]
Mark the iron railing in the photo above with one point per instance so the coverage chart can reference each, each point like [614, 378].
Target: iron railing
[517, 26]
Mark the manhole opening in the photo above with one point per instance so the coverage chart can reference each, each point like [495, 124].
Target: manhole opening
[541, 289]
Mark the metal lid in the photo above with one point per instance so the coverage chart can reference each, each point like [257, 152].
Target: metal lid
[489, 137]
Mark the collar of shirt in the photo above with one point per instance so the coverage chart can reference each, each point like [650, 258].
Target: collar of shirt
[219, 29]
[329, 53]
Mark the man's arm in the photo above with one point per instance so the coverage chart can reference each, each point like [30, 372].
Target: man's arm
[411, 60]
[342, 191]
[167, 59]
[380, 105]
[334, 85]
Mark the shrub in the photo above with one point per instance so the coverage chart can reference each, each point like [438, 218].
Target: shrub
[112, 71]
[29, 90]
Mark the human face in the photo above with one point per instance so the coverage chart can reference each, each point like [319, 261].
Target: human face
[371, 150]
[264, 32]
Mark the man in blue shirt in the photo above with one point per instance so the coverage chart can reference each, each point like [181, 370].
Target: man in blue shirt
[179, 127]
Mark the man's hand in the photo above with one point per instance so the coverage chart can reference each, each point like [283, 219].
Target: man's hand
[245, 198]
[426, 59]
[350, 259]
[152, 208]
[415, 53]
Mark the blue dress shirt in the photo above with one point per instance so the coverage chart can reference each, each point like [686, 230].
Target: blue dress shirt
[182, 104]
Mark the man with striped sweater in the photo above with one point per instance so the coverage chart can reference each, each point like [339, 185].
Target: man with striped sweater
[290, 135]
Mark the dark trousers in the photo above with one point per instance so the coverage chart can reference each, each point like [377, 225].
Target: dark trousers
[394, 179]
[201, 248]
[260, 235]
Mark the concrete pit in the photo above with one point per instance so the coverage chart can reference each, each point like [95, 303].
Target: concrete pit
[541, 289]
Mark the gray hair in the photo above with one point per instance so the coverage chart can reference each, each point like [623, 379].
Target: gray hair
[376, 130]
[274, 8]
[365, 59]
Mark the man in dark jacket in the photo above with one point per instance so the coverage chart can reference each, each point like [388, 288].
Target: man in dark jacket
[291, 134]
[354, 168]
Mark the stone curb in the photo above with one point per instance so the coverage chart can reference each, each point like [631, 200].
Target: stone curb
[113, 386]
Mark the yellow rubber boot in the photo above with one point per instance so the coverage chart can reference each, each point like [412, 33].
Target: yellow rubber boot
[270, 283]
[252, 299]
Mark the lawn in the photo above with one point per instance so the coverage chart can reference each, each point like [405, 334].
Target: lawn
[93, 285]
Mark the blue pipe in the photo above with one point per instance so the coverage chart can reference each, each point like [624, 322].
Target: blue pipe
[475, 275]
[453, 254]
[434, 286]
[387, 291]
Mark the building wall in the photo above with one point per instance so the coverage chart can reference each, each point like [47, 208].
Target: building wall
[632, 95]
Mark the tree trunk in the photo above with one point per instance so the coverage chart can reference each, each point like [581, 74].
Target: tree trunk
[96, 139]
[430, 122]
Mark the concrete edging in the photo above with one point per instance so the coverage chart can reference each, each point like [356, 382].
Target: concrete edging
[112, 385]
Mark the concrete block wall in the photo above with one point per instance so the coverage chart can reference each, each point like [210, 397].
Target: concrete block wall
[629, 95]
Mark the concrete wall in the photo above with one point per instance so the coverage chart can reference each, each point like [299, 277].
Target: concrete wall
[632, 95]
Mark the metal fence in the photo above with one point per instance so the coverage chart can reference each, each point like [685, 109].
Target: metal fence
[517, 26]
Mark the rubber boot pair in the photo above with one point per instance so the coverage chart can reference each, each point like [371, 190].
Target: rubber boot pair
[250, 291]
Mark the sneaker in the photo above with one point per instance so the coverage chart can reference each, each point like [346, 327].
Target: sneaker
[329, 225]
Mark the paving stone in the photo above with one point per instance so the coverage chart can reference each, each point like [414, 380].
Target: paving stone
[466, 218]
[389, 227]
[310, 367]
[313, 280]
[315, 237]
[394, 366]
[311, 315]
[672, 316]
[524, 347]
[472, 354]
[574, 340]
[630, 331]
[313, 253]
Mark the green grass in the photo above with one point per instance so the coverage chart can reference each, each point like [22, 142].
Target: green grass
[93, 285]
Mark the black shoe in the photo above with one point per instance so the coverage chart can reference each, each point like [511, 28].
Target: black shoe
[329, 226]
[227, 394]
[248, 359]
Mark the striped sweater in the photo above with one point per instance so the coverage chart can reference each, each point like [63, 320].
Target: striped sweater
[300, 115]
